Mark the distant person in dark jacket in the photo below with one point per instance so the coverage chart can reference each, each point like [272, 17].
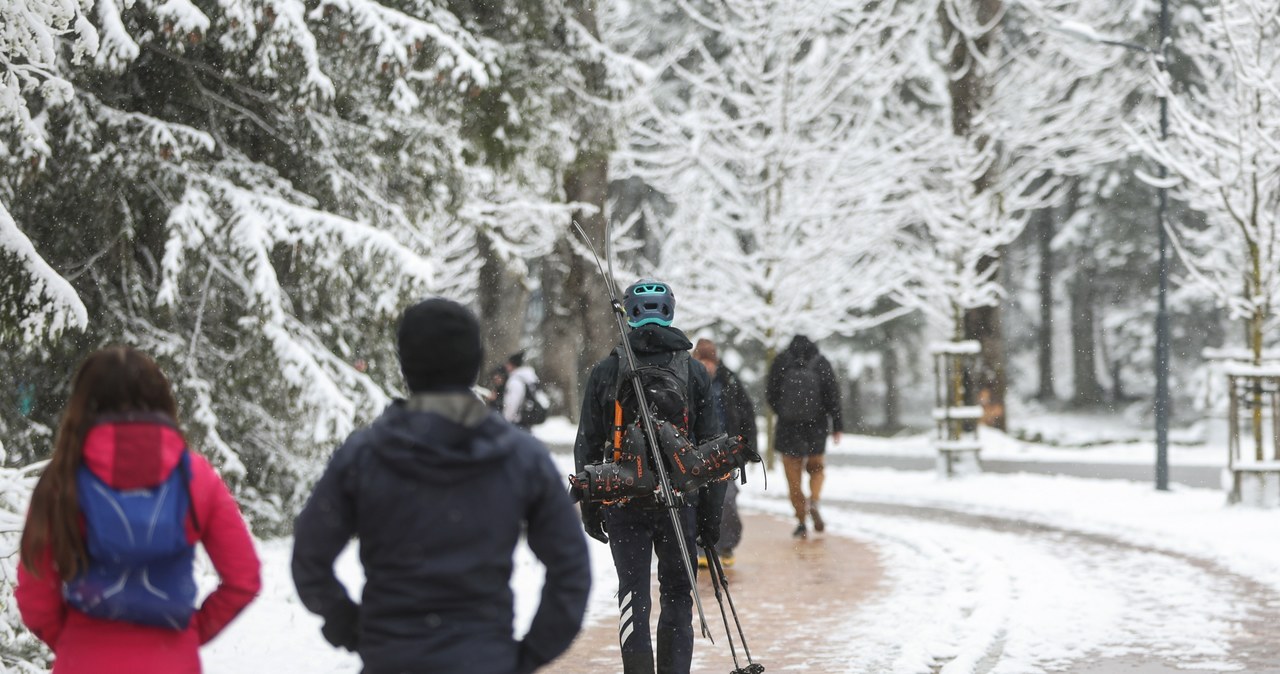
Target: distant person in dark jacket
[802, 390]
[738, 416]
[439, 490]
[495, 388]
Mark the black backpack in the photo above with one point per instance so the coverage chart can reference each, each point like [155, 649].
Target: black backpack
[666, 388]
[533, 410]
[799, 392]
[689, 467]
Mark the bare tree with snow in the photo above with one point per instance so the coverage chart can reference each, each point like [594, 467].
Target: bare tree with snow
[1223, 152]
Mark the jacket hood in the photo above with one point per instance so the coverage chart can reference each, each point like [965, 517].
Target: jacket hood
[802, 348]
[440, 438]
[658, 339]
[133, 451]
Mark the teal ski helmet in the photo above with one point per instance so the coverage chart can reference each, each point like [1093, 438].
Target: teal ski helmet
[648, 301]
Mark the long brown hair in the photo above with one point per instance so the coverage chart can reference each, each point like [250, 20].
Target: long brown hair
[116, 379]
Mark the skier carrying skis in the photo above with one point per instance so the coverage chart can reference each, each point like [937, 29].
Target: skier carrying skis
[639, 526]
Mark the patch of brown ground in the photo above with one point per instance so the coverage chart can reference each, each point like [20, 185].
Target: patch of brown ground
[789, 595]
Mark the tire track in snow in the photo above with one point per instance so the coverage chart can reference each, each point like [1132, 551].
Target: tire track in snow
[970, 593]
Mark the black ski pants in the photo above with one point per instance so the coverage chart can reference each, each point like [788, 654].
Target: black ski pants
[730, 521]
[635, 534]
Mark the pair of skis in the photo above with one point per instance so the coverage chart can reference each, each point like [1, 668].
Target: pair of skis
[666, 495]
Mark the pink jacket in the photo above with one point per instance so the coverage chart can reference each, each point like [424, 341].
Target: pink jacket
[129, 455]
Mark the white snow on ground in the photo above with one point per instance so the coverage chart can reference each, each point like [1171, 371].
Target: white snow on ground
[954, 594]
[277, 634]
[999, 446]
[1080, 438]
[1041, 601]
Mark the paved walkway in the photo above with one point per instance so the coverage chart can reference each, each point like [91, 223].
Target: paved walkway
[791, 597]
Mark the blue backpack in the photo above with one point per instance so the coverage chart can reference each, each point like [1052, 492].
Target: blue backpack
[140, 563]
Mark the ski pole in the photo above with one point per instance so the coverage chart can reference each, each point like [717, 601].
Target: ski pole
[717, 571]
[715, 585]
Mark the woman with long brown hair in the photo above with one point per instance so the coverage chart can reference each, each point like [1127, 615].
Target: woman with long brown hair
[119, 447]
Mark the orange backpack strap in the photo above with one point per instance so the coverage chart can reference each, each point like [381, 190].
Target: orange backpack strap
[617, 430]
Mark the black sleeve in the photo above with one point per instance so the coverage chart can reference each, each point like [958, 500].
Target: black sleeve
[556, 538]
[323, 528]
[705, 422]
[741, 411]
[593, 422]
[711, 505]
[772, 382]
[831, 395]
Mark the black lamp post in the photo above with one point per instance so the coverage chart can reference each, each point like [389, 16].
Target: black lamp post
[1162, 310]
[1161, 52]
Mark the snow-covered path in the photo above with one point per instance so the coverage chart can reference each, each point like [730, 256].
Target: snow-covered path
[984, 594]
[993, 574]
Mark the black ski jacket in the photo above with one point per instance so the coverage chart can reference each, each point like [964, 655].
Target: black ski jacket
[739, 412]
[651, 344]
[439, 491]
[823, 402]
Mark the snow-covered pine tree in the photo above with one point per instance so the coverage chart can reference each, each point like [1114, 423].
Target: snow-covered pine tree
[251, 190]
[33, 38]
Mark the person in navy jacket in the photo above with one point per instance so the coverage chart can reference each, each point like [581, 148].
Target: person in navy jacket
[439, 490]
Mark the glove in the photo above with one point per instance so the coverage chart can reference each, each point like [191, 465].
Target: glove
[593, 521]
[710, 510]
[708, 535]
[342, 629]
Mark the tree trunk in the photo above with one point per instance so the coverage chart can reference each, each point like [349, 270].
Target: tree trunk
[967, 86]
[561, 331]
[987, 382]
[1044, 332]
[892, 416]
[587, 182]
[968, 89]
[853, 407]
[1084, 366]
[503, 298]
[579, 327]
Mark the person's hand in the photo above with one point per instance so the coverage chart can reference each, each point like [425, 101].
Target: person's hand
[708, 533]
[835, 437]
[593, 521]
[342, 629]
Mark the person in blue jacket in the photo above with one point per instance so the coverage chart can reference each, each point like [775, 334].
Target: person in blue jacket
[439, 490]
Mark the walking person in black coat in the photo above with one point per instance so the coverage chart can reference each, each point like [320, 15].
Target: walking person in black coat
[439, 490]
[638, 530]
[738, 416]
[802, 390]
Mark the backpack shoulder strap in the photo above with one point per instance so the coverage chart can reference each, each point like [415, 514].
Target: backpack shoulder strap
[680, 364]
[619, 372]
[184, 465]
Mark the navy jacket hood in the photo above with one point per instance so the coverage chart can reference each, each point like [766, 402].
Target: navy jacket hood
[434, 449]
